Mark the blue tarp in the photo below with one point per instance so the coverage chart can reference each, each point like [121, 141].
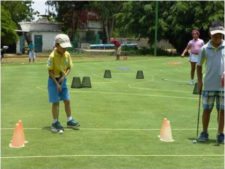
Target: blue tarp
[111, 46]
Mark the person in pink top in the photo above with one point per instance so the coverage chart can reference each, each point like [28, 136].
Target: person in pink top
[193, 48]
[117, 45]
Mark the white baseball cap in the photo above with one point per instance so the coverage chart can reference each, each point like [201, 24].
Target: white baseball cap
[63, 40]
[218, 29]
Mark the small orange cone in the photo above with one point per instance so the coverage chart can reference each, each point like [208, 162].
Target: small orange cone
[22, 131]
[165, 131]
[18, 139]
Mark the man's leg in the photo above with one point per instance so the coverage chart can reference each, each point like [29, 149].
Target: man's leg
[33, 54]
[208, 99]
[117, 53]
[221, 121]
[67, 108]
[193, 65]
[220, 135]
[55, 110]
[220, 110]
[71, 122]
[205, 120]
[56, 126]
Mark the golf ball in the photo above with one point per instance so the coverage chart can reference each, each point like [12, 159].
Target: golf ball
[194, 141]
[60, 131]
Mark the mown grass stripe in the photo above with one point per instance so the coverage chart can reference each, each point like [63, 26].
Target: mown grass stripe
[116, 129]
[113, 155]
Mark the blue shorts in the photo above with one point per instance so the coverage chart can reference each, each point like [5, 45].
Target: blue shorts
[55, 96]
[209, 97]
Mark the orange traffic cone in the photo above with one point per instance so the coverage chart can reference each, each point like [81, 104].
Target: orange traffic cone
[165, 131]
[163, 126]
[22, 131]
[18, 137]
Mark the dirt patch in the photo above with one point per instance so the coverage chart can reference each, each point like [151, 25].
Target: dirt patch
[175, 63]
[43, 57]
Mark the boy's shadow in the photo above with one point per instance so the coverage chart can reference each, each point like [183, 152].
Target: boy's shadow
[47, 128]
[210, 141]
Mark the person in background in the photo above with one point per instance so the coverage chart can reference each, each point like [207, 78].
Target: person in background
[31, 53]
[118, 47]
[212, 86]
[193, 47]
[59, 66]
[3, 50]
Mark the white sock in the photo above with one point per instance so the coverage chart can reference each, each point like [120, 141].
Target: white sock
[55, 120]
[69, 118]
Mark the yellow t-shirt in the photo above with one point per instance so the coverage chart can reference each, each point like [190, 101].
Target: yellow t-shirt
[59, 63]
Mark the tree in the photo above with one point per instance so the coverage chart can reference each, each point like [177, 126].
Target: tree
[195, 14]
[19, 10]
[176, 19]
[107, 11]
[8, 27]
[13, 12]
[69, 13]
[72, 13]
[136, 18]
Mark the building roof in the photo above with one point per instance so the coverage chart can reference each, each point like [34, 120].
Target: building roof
[41, 25]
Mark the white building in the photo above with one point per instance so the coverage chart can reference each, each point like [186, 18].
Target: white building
[41, 33]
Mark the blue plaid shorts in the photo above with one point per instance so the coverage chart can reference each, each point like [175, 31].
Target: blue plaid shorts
[209, 97]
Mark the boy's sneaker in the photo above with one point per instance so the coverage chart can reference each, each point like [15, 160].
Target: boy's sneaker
[57, 127]
[203, 137]
[73, 124]
[220, 138]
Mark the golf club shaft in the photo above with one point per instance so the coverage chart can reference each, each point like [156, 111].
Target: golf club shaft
[199, 109]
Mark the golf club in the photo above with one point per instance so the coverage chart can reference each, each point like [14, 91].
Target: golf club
[199, 109]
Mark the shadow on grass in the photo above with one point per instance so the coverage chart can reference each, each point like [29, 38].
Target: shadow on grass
[48, 128]
[210, 141]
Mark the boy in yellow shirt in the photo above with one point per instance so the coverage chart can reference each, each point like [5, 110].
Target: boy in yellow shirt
[59, 66]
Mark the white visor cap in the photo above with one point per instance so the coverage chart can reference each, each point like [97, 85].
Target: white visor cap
[215, 30]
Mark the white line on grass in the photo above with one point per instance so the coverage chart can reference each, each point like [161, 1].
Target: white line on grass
[105, 82]
[134, 94]
[114, 155]
[123, 93]
[115, 129]
[145, 88]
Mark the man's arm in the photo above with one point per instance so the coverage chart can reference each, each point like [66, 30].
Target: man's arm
[64, 74]
[185, 50]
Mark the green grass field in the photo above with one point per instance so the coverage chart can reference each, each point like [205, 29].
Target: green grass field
[120, 117]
